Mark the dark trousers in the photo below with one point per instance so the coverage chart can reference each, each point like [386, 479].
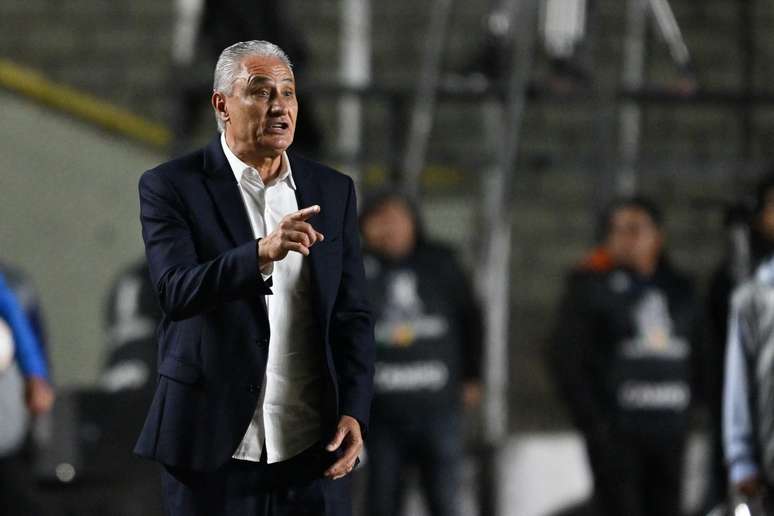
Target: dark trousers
[434, 448]
[717, 481]
[18, 490]
[638, 476]
[294, 487]
[761, 505]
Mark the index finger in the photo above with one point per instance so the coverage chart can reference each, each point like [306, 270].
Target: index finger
[306, 213]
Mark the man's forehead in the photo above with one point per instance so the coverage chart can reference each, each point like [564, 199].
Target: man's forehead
[265, 68]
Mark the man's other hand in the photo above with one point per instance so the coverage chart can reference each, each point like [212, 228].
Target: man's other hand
[293, 233]
[39, 395]
[348, 434]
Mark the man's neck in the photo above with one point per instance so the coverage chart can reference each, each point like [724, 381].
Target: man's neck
[268, 167]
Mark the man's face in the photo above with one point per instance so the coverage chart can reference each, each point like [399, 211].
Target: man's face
[260, 113]
[390, 230]
[633, 239]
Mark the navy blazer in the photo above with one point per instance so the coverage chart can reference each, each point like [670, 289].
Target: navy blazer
[214, 335]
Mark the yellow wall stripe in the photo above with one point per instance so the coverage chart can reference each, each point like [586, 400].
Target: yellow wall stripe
[81, 105]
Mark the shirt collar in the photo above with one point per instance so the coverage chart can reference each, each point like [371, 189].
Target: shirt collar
[238, 166]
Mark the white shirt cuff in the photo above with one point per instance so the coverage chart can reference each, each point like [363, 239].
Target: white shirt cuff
[267, 271]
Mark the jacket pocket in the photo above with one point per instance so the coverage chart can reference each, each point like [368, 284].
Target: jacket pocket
[183, 372]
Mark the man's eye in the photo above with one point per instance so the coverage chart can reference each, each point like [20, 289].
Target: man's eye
[290, 93]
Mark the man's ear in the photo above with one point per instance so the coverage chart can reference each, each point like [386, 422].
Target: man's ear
[219, 104]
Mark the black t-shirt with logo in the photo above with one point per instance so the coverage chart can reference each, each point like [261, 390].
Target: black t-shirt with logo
[623, 350]
[428, 333]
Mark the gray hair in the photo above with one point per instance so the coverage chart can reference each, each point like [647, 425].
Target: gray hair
[230, 63]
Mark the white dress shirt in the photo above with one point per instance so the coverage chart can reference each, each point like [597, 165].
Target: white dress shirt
[287, 418]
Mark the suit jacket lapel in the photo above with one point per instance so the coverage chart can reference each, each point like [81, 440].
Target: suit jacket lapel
[307, 190]
[309, 193]
[225, 193]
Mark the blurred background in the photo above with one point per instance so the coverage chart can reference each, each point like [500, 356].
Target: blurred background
[511, 122]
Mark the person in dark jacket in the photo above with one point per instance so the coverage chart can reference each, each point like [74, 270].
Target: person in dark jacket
[622, 354]
[428, 358]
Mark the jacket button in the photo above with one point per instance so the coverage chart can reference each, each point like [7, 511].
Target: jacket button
[263, 341]
[252, 387]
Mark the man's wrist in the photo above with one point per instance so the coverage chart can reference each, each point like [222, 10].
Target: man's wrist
[265, 265]
[263, 259]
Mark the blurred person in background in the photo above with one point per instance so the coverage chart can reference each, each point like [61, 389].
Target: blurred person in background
[25, 392]
[748, 396]
[93, 428]
[131, 318]
[203, 28]
[129, 370]
[748, 404]
[127, 485]
[622, 354]
[428, 361]
[750, 227]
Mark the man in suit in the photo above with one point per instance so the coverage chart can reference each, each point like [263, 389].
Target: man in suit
[266, 342]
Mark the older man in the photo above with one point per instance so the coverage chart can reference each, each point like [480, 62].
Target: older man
[266, 343]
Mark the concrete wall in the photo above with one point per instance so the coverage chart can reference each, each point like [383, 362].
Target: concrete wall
[69, 217]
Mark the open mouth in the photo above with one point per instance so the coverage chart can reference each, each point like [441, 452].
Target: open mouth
[278, 126]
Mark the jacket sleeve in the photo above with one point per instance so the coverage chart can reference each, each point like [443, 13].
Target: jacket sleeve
[351, 332]
[186, 286]
[29, 353]
[27, 296]
[571, 354]
[737, 422]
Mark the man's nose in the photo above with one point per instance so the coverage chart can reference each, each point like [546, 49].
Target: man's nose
[279, 105]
